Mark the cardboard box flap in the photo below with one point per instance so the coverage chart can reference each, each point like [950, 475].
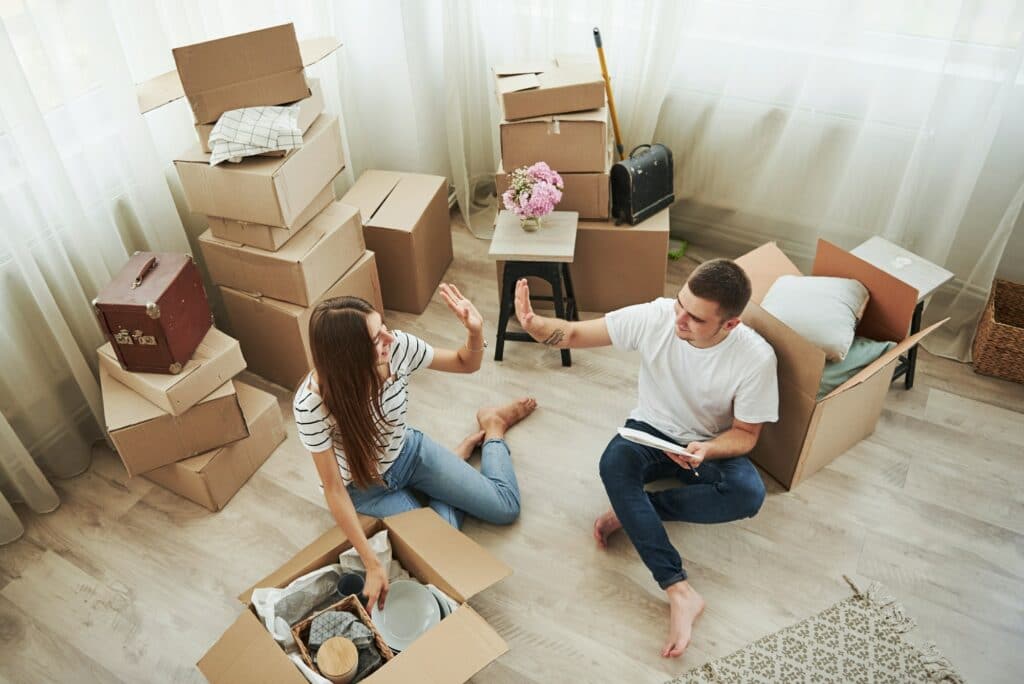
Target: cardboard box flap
[522, 68]
[884, 359]
[800, 361]
[166, 88]
[514, 84]
[571, 73]
[247, 653]
[763, 266]
[593, 115]
[404, 206]
[436, 552]
[450, 653]
[892, 302]
[261, 67]
[123, 407]
[323, 551]
[371, 191]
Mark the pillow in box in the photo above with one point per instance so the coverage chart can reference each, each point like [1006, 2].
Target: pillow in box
[862, 352]
[823, 310]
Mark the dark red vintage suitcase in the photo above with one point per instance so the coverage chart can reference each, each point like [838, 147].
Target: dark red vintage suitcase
[155, 312]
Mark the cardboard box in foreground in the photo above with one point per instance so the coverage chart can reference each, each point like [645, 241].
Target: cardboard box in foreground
[451, 652]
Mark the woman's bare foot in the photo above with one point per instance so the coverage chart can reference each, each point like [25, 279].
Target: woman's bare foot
[465, 448]
[606, 524]
[685, 606]
[496, 420]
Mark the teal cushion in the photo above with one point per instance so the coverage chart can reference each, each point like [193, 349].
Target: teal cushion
[862, 352]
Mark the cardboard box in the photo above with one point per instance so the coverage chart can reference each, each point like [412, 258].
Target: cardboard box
[246, 70]
[261, 236]
[569, 143]
[268, 190]
[584, 193]
[548, 88]
[406, 223]
[309, 109]
[217, 359]
[275, 334]
[147, 437]
[212, 478]
[302, 270]
[614, 266]
[810, 434]
[451, 652]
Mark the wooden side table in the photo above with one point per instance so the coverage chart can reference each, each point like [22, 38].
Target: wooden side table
[919, 273]
[545, 254]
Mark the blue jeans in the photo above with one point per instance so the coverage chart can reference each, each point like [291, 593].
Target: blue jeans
[453, 487]
[726, 489]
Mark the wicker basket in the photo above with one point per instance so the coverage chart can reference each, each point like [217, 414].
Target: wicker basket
[999, 343]
[349, 604]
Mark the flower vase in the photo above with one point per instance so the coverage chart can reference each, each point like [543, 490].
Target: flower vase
[530, 224]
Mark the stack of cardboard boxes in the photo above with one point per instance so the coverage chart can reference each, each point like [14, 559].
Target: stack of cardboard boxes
[200, 433]
[278, 241]
[556, 113]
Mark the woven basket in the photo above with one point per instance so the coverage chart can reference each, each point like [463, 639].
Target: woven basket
[349, 604]
[999, 343]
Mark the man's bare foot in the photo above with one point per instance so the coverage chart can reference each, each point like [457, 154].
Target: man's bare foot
[685, 606]
[496, 420]
[465, 448]
[606, 524]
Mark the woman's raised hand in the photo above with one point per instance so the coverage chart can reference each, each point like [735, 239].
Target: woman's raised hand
[462, 308]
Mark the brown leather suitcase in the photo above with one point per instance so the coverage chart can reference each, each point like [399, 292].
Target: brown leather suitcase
[155, 312]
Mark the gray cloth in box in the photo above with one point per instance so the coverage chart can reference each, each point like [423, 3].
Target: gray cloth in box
[339, 623]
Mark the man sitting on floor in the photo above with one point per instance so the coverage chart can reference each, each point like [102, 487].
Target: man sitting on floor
[707, 382]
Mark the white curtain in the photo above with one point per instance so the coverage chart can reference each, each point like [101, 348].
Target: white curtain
[788, 119]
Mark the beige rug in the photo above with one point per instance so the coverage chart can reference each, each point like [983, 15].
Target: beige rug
[860, 639]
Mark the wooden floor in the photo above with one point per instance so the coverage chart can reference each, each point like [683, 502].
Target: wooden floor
[128, 582]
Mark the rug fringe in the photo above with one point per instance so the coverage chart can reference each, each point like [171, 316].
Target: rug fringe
[937, 666]
[891, 609]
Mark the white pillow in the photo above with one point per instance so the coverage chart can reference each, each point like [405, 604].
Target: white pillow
[825, 311]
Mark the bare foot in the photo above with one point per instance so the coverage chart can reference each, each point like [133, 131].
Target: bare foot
[606, 524]
[685, 606]
[496, 420]
[465, 448]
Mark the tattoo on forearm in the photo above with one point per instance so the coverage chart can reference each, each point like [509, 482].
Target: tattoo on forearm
[554, 338]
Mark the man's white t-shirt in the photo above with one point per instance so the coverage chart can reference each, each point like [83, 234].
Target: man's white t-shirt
[318, 430]
[693, 394]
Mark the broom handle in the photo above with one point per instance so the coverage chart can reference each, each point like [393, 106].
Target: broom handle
[611, 99]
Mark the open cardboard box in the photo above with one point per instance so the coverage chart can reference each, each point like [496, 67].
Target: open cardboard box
[309, 109]
[556, 87]
[274, 191]
[302, 270]
[406, 223]
[275, 335]
[569, 143]
[147, 437]
[810, 433]
[433, 552]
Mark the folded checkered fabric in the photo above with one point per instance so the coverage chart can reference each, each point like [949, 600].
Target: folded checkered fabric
[254, 130]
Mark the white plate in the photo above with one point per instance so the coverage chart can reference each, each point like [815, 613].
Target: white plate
[652, 441]
[409, 611]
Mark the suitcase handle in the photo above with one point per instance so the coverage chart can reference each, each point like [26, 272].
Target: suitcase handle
[150, 264]
[633, 152]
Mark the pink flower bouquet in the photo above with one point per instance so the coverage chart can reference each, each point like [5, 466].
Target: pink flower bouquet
[533, 191]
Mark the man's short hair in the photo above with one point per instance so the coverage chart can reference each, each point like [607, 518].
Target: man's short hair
[721, 281]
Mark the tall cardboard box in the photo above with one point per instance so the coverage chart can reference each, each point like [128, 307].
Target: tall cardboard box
[526, 90]
[300, 271]
[262, 236]
[147, 437]
[810, 434]
[275, 334]
[569, 143]
[405, 222]
[584, 193]
[450, 652]
[247, 70]
[217, 359]
[309, 109]
[614, 266]
[268, 190]
[212, 478]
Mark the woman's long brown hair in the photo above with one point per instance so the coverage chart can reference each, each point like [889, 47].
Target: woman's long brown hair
[345, 360]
